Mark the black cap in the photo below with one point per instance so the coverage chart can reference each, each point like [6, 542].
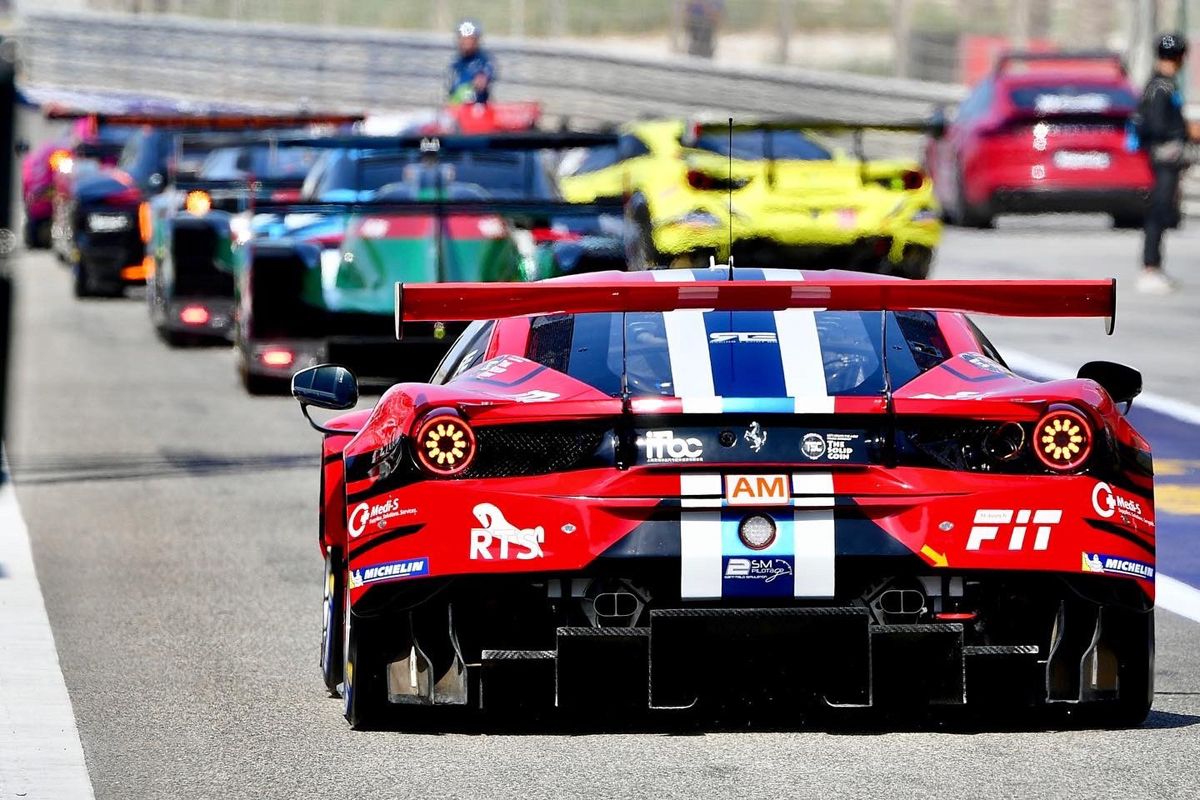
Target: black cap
[1172, 46]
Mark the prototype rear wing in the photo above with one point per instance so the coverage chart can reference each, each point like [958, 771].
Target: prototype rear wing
[208, 121]
[446, 302]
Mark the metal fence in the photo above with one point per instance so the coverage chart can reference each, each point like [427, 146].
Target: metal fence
[931, 39]
[356, 69]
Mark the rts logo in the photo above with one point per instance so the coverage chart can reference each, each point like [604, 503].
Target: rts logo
[990, 521]
[496, 530]
[665, 446]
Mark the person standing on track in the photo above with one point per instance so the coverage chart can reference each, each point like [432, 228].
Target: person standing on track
[472, 73]
[1163, 134]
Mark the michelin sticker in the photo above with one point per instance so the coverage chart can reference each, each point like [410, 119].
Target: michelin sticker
[391, 571]
[1099, 562]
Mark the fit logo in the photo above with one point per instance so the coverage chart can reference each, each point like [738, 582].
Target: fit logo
[989, 522]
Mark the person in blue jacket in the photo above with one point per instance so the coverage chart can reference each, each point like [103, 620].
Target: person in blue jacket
[473, 72]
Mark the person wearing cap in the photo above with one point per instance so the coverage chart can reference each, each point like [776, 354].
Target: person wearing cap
[472, 72]
[1163, 134]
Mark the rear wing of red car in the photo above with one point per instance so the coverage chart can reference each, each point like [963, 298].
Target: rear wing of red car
[1103, 62]
[446, 302]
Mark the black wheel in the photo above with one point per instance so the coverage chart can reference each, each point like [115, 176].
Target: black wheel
[37, 234]
[85, 284]
[965, 214]
[364, 685]
[1136, 689]
[916, 263]
[640, 252]
[265, 385]
[1128, 221]
[332, 610]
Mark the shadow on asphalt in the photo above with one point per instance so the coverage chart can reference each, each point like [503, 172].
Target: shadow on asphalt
[436, 722]
[41, 470]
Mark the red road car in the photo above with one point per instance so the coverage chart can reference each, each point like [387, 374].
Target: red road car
[692, 488]
[1042, 133]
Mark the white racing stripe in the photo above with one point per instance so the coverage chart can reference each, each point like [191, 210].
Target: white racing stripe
[687, 348]
[700, 554]
[803, 366]
[40, 753]
[815, 546]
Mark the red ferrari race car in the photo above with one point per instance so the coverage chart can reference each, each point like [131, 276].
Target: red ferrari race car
[726, 489]
[1042, 133]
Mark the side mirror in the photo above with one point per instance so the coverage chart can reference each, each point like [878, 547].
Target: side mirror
[935, 126]
[1121, 382]
[325, 386]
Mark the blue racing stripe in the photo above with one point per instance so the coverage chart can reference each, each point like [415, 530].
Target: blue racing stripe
[769, 572]
[743, 349]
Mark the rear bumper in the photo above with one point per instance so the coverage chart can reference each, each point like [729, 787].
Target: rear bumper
[210, 317]
[375, 361]
[1024, 200]
[115, 258]
[869, 254]
[686, 658]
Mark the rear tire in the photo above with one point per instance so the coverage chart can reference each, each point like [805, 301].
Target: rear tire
[967, 215]
[364, 687]
[1136, 692]
[332, 626]
[86, 285]
[37, 234]
[265, 386]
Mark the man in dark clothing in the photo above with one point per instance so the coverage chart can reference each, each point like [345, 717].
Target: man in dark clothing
[1163, 134]
[472, 73]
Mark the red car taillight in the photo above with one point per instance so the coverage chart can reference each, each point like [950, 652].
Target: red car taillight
[912, 179]
[1063, 439]
[444, 443]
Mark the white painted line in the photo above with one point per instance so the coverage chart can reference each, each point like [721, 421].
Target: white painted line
[1177, 597]
[1173, 595]
[40, 752]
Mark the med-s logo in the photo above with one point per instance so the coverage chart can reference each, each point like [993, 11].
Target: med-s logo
[1107, 502]
[379, 514]
[665, 447]
[497, 538]
[765, 570]
[392, 571]
[990, 521]
[742, 337]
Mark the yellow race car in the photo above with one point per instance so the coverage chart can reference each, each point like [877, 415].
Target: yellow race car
[793, 199]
